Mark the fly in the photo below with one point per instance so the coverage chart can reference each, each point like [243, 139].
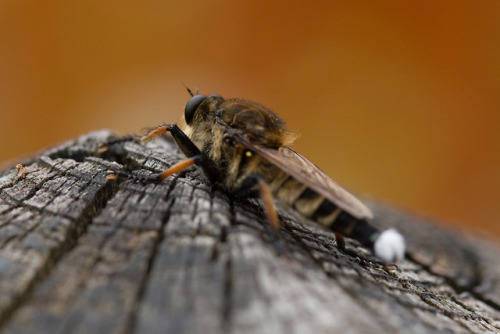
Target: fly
[245, 148]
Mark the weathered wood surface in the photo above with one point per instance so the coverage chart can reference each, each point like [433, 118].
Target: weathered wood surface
[83, 254]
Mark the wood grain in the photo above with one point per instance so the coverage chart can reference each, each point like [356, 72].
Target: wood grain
[83, 254]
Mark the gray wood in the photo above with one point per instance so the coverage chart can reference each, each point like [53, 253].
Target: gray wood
[83, 254]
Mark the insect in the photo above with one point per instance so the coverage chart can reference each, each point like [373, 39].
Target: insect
[21, 171]
[245, 148]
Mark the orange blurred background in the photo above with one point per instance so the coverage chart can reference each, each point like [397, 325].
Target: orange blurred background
[397, 100]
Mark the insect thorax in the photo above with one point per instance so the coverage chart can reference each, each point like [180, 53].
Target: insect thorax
[216, 127]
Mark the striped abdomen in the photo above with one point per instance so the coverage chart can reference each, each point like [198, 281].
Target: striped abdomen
[321, 210]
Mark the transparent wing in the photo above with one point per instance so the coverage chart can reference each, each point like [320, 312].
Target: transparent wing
[311, 175]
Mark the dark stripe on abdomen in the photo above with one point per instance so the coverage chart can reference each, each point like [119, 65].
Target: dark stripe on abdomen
[289, 190]
[325, 209]
[307, 202]
[330, 215]
[354, 228]
[308, 194]
[324, 212]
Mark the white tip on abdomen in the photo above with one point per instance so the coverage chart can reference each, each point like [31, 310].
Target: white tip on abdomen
[389, 246]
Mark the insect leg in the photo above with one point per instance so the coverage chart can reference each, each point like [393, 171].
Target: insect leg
[387, 245]
[248, 188]
[340, 241]
[191, 150]
[176, 168]
[155, 133]
[103, 147]
[267, 197]
[183, 141]
[185, 145]
[179, 167]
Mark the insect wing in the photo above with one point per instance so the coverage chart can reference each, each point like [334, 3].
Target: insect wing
[312, 176]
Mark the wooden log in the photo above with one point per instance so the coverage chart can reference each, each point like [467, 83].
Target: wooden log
[83, 254]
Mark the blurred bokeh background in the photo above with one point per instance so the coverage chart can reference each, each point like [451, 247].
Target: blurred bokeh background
[397, 100]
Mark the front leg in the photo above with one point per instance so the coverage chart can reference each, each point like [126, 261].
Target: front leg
[176, 168]
[183, 142]
[195, 156]
[181, 139]
[191, 150]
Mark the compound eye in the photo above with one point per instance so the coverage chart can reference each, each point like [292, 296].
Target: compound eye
[191, 107]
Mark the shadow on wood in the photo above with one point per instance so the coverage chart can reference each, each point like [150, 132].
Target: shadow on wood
[83, 254]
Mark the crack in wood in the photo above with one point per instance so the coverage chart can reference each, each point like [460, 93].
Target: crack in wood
[132, 316]
[459, 289]
[72, 234]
